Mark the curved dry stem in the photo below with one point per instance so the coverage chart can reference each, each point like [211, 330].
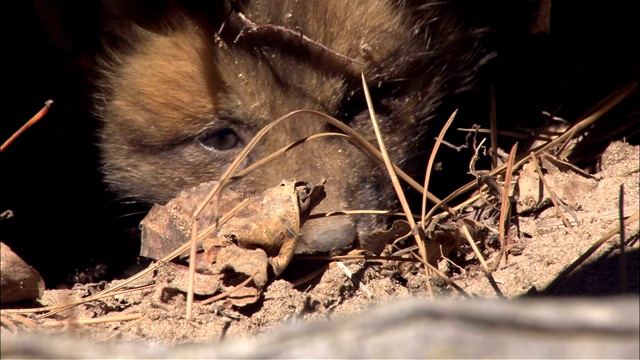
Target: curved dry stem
[350, 135]
[432, 158]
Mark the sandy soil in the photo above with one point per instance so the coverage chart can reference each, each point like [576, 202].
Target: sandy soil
[545, 246]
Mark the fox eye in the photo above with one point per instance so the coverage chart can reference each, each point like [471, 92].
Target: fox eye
[223, 139]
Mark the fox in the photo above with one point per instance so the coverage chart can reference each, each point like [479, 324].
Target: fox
[168, 93]
[179, 98]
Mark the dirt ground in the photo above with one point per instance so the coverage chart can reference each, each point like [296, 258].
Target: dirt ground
[546, 247]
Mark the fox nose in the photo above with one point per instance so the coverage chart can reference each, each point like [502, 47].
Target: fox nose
[330, 235]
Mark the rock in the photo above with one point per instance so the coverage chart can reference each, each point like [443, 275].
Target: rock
[18, 280]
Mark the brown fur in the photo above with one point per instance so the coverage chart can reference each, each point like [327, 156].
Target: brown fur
[169, 85]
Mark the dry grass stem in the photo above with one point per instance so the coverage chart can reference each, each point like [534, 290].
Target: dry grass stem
[432, 158]
[505, 206]
[485, 267]
[523, 134]
[361, 212]
[312, 275]
[594, 114]
[6, 321]
[552, 194]
[10, 320]
[354, 279]
[394, 180]
[125, 328]
[193, 249]
[355, 257]
[100, 320]
[444, 277]
[351, 136]
[494, 128]
[233, 167]
[52, 310]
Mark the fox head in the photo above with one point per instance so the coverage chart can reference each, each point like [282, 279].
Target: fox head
[180, 96]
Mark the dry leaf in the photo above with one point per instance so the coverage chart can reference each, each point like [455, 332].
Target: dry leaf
[270, 222]
[167, 227]
[177, 279]
[261, 234]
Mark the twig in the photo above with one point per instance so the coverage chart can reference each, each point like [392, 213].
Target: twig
[475, 158]
[253, 27]
[458, 148]
[39, 115]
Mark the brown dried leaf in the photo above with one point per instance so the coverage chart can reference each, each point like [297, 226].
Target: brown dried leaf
[271, 222]
[262, 232]
[167, 227]
[177, 277]
[243, 296]
[242, 261]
